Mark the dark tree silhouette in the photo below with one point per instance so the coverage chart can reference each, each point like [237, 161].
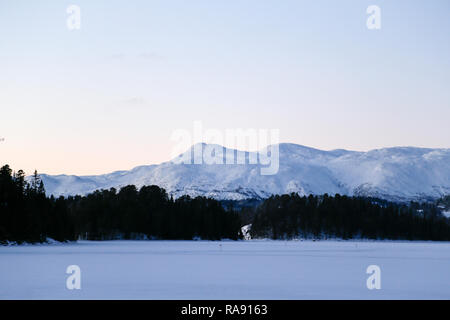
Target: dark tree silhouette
[28, 215]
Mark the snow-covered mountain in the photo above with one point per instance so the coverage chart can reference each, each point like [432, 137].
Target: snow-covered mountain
[398, 174]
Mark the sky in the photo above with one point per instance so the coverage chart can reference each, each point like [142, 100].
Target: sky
[109, 96]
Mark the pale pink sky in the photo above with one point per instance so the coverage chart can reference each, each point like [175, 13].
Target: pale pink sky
[108, 96]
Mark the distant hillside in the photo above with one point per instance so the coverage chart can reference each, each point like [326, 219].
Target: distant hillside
[396, 174]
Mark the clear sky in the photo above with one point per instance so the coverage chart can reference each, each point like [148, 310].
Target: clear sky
[108, 96]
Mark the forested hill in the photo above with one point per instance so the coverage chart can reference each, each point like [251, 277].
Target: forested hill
[28, 215]
[293, 216]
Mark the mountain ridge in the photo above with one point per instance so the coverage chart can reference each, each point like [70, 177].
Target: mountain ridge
[395, 173]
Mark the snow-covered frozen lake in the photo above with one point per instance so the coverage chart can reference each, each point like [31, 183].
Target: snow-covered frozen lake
[226, 270]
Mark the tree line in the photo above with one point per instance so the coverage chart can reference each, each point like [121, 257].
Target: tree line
[28, 215]
[294, 216]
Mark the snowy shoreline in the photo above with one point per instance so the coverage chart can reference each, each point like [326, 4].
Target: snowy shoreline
[52, 242]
